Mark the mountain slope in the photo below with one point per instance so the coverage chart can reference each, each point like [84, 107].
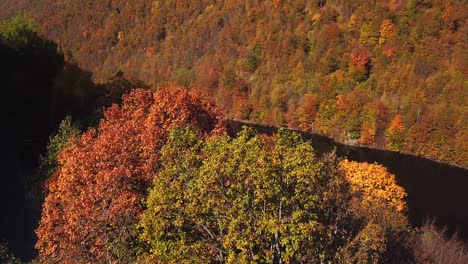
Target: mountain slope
[388, 74]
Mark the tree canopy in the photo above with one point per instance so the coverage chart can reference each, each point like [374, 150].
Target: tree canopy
[159, 181]
[231, 200]
[97, 191]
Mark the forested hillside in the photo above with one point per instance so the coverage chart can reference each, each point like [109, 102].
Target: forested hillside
[156, 176]
[377, 73]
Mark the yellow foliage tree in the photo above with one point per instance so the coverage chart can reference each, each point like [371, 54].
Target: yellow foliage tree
[374, 184]
[379, 204]
[387, 31]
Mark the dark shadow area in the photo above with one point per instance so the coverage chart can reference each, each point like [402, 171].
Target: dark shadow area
[435, 190]
[76, 94]
[39, 88]
[27, 74]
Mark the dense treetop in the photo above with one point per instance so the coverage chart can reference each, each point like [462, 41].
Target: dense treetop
[96, 192]
[270, 202]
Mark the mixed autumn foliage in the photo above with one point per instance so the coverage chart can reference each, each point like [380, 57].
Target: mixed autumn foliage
[344, 69]
[271, 201]
[159, 181]
[96, 194]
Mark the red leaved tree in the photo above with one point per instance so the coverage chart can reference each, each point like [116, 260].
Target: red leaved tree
[360, 57]
[95, 197]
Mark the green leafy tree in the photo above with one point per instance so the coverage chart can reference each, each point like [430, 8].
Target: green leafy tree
[232, 200]
[48, 163]
[20, 33]
[247, 199]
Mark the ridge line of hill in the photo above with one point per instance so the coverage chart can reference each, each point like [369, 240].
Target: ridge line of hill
[337, 142]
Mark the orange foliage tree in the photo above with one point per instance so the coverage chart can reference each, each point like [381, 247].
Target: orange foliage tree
[307, 111]
[360, 64]
[95, 197]
[360, 57]
[394, 135]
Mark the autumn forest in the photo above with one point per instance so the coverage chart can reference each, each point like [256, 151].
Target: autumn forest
[134, 131]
